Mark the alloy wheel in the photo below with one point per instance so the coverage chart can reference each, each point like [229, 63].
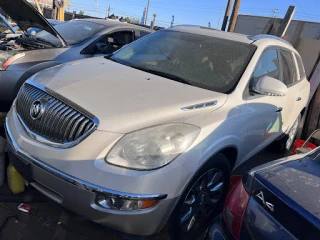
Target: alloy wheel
[202, 199]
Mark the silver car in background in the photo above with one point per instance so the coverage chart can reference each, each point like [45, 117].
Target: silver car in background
[24, 55]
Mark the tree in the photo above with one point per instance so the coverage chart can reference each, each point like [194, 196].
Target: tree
[81, 12]
[132, 20]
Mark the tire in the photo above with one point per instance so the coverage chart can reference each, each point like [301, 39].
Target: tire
[201, 204]
[285, 143]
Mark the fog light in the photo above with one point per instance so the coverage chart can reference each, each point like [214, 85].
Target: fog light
[124, 204]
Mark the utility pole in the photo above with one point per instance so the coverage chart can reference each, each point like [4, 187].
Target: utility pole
[54, 10]
[153, 21]
[234, 15]
[143, 22]
[274, 12]
[226, 15]
[147, 13]
[172, 22]
[286, 21]
[38, 6]
[109, 11]
[95, 11]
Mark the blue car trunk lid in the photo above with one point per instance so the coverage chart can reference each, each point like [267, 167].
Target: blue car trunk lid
[290, 193]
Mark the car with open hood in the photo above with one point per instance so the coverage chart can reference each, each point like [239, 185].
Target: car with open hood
[5, 27]
[23, 55]
[149, 134]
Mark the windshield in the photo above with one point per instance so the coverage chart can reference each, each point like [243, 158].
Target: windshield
[37, 30]
[202, 61]
[73, 32]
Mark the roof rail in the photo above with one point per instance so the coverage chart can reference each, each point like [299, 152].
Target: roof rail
[186, 25]
[266, 36]
[193, 26]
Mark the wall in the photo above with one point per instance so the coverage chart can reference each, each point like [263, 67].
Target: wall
[309, 50]
[254, 25]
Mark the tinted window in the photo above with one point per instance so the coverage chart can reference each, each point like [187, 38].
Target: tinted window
[140, 34]
[73, 32]
[202, 61]
[112, 42]
[289, 68]
[300, 66]
[268, 65]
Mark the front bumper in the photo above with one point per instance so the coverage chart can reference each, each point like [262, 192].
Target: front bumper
[79, 196]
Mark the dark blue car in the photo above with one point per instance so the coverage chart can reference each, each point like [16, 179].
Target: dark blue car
[278, 200]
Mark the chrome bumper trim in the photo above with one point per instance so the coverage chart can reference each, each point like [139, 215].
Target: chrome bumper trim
[72, 180]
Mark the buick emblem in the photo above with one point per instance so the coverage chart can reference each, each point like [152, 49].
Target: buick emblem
[36, 109]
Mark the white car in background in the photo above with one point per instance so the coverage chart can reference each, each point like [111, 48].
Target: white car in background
[149, 135]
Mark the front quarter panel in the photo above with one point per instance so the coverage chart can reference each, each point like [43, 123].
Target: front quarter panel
[220, 129]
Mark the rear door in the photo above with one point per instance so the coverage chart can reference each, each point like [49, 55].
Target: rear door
[304, 85]
[291, 108]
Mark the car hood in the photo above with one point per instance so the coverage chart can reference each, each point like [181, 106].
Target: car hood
[123, 98]
[26, 16]
[4, 23]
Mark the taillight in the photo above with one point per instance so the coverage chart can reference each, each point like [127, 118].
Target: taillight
[235, 207]
[11, 60]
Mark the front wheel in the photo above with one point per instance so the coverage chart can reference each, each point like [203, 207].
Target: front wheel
[201, 201]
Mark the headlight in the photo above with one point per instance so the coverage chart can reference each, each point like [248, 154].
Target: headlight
[6, 60]
[124, 204]
[152, 147]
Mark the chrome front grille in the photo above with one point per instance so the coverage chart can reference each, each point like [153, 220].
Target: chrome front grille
[59, 124]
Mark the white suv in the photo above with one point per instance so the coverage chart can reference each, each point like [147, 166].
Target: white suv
[150, 134]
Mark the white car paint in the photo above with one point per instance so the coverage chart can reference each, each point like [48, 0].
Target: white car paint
[123, 101]
[126, 99]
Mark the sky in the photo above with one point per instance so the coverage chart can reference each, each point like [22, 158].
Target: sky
[195, 12]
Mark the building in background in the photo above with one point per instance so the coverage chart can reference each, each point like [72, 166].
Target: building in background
[254, 25]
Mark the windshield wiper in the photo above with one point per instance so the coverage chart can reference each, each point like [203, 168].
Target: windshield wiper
[45, 41]
[163, 74]
[156, 72]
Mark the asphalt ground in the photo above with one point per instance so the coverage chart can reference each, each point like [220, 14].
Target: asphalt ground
[50, 221]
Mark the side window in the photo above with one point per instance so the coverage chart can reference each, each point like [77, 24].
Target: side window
[140, 34]
[113, 42]
[268, 65]
[289, 74]
[300, 66]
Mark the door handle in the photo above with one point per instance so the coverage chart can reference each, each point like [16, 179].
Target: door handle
[298, 99]
[279, 109]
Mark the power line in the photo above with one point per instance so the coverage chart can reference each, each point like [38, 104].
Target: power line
[302, 9]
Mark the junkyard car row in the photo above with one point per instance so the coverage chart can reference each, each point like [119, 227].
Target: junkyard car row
[148, 133]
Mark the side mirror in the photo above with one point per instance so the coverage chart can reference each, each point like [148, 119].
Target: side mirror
[270, 86]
